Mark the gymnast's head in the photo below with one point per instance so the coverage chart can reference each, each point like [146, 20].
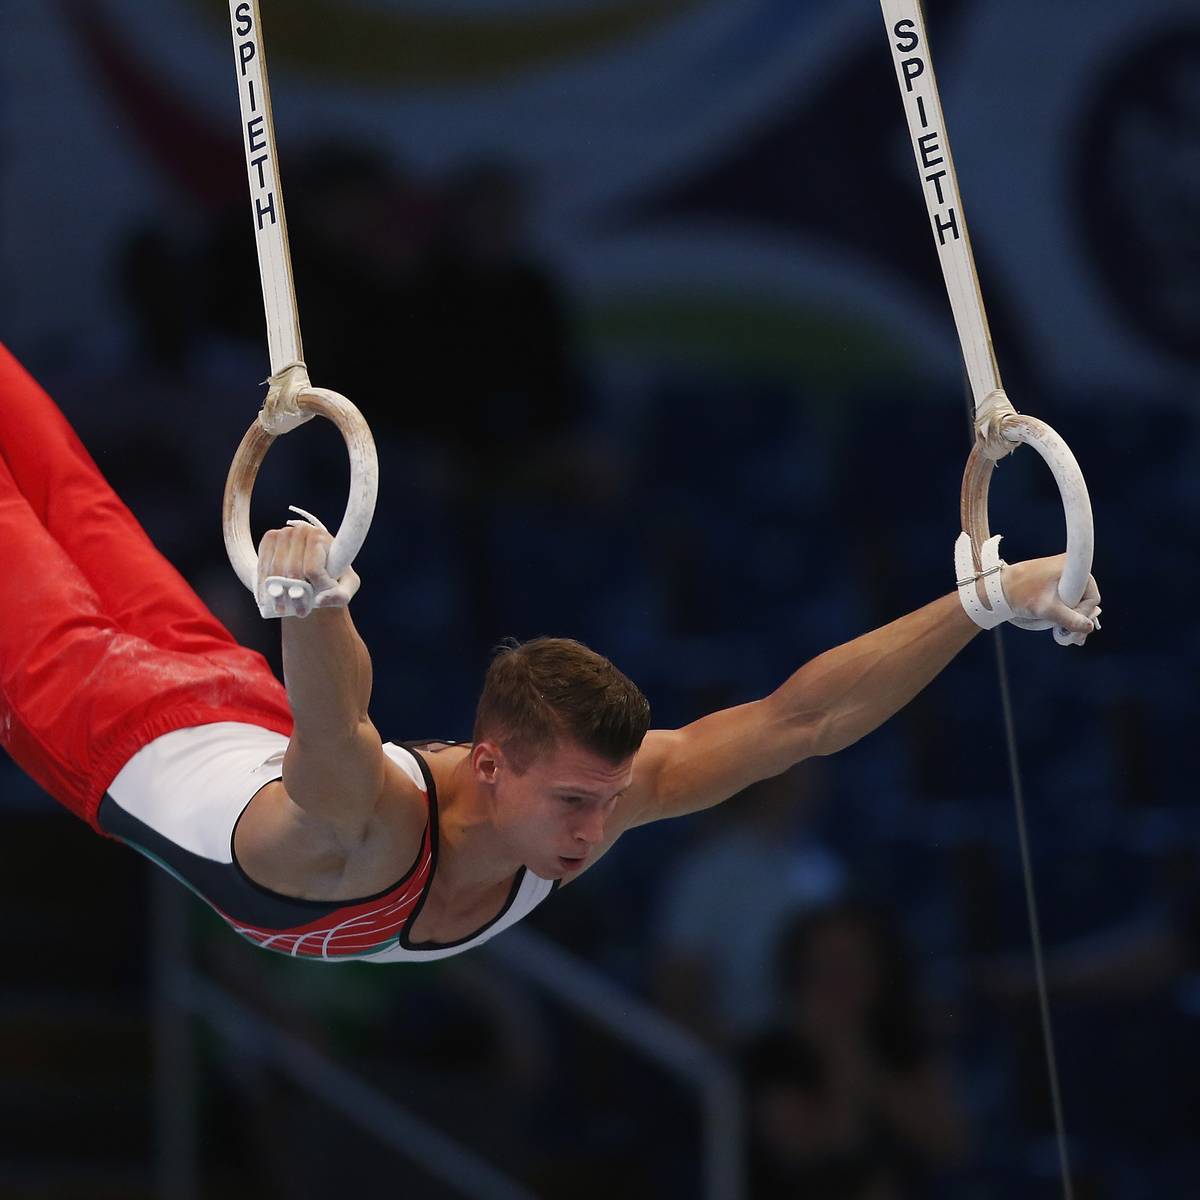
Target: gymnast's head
[556, 731]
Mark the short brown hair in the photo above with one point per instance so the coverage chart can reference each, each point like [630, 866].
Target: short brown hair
[551, 689]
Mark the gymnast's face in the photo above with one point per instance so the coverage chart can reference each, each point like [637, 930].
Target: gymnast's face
[555, 814]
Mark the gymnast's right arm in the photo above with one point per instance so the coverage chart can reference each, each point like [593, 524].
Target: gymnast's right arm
[334, 765]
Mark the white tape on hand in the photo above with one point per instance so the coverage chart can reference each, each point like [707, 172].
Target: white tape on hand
[284, 597]
[991, 565]
[308, 518]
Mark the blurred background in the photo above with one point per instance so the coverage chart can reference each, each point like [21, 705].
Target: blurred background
[641, 303]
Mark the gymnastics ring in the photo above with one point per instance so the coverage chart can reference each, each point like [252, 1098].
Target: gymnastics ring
[1072, 489]
[364, 483]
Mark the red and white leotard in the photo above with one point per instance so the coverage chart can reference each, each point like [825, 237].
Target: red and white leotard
[179, 799]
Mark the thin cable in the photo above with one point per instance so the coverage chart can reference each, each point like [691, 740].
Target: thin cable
[1035, 928]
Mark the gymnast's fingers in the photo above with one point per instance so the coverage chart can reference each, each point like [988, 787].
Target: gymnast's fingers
[266, 557]
[316, 559]
[293, 544]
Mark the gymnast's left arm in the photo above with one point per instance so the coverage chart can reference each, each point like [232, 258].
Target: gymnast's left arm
[830, 702]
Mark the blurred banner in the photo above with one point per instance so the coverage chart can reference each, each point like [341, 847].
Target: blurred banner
[703, 171]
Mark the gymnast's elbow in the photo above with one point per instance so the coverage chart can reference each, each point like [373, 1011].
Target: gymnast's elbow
[332, 737]
[791, 734]
[327, 728]
[805, 731]
[830, 733]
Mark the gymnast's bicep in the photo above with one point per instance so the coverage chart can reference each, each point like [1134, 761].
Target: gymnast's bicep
[681, 771]
[338, 781]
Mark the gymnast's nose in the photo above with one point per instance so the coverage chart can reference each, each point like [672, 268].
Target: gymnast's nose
[590, 829]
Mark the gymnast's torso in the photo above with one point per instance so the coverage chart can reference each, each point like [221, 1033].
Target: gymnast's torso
[180, 802]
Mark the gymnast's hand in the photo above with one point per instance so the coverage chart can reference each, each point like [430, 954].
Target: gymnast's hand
[1031, 589]
[297, 557]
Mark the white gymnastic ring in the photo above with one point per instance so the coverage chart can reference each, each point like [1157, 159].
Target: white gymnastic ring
[360, 505]
[1072, 489]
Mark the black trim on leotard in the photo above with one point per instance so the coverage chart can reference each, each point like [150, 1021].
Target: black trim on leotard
[434, 840]
[226, 885]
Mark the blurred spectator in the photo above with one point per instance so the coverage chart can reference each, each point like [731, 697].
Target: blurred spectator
[846, 1099]
[1141, 977]
[153, 276]
[358, 227]
[427, 305]
[1141, 957]
[728, 899]
[494, 378]
[492, 382]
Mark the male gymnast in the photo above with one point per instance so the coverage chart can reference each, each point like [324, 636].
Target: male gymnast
[126, 700]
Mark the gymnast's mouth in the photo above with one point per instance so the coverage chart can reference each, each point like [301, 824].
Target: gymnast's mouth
[571, 864]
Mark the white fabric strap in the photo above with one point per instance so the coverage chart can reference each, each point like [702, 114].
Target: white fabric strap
[939, 185]
[291, 399]
[266, 196]
[998, 426]
[991, 566]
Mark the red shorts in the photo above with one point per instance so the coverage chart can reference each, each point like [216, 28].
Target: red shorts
[103, 645]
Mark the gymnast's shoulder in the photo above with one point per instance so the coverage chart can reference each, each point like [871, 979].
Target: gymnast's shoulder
[298, 850]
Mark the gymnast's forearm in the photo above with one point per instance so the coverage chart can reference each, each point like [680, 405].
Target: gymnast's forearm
[845, 693]
[327, 672]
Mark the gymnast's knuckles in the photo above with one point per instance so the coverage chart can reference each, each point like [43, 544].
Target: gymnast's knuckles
[298, 554]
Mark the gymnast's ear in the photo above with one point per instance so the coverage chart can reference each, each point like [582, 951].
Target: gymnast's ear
[486, 760]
